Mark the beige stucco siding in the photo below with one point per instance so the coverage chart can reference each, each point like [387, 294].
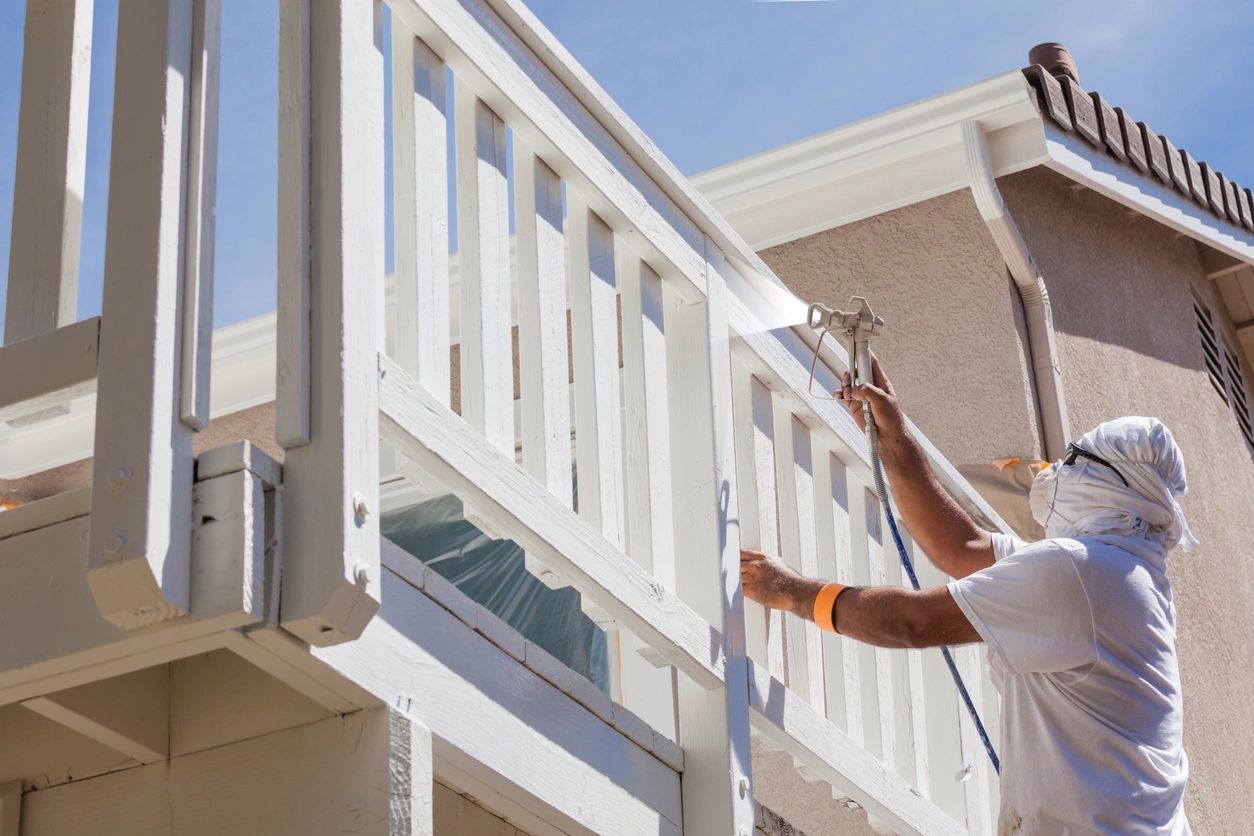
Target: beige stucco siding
[1128, 343]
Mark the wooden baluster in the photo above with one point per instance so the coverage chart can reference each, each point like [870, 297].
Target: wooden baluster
[753, 517]
[886, 686]
[980, 817]
[594, 332]
[915, 694]
[863, 519]
[649, 692]
[714, 725]
[807, 529]
[831, 520]
[331, 484]
[543, 363]
[42, 288]
[795, 628]
[487, 364]
[420, 212]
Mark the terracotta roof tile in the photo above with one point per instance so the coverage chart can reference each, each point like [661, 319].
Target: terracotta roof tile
[1049, 92]
[1196, 186]
[1110, 126]
[1110, 129]
[1083, 114]
[1179, 175]
[1155, 153]
[1213, 194]
[1133, 141]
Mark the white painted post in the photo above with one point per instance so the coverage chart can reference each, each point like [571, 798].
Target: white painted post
[831, 522]
[487, 364]
[594, 334]
[795, 628]
[856, 569]
[202, 189]
[139, 547]
[650, 530]
[51, 166]
[884, 658]
[420, 212]
[544, 367]
[979, 809]
[811, 636]
[293, 377]
[915, 695]
[331, 485]
[543, 361]
[714, 725]
[752, 517]
[411, 778]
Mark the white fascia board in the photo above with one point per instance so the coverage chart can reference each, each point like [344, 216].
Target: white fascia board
[887, 161]
[1076, 160]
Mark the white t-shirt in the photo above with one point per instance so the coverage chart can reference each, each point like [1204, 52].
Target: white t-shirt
[1081, 640]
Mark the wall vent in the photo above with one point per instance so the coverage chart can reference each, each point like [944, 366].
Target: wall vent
[1223, 368]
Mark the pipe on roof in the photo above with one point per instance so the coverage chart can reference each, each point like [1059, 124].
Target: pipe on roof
[1042, 347]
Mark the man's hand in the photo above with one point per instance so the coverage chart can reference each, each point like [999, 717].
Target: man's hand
[772, 584]
[889, 419]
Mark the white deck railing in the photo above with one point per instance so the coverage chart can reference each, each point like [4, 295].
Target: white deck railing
[694, 432]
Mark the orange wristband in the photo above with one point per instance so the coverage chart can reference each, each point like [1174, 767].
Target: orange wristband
[825, 606]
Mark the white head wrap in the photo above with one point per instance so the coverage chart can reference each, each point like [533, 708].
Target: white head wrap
[1089, 499]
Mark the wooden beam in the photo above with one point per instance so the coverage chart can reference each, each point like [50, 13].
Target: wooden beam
[411, 774]
[51, 167]
[128, 713]
[713, 725]
[331, 486]
[67, 361]
[139, 550]
[429, 433]
[509, 731]
[793, 725]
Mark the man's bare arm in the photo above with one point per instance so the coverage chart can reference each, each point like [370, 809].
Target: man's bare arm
[945, 532]
[882, 616]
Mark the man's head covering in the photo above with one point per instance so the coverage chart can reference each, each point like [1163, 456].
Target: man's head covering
[1088, 499]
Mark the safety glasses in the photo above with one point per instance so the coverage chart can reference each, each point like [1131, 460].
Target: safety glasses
[1074, 452]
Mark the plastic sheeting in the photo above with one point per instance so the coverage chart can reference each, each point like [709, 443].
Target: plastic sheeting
[492, 572]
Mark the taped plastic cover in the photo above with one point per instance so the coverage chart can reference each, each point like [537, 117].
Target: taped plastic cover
[492, 573]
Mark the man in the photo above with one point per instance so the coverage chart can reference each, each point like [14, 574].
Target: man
[1080, 627]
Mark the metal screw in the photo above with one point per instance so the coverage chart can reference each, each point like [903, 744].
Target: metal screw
[114, 545]
[743, 786]
[119, 479]
[360, 509]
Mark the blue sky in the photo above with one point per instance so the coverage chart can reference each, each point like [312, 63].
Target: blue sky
[711, 81]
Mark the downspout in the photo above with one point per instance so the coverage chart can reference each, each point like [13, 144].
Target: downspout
[1042, 348]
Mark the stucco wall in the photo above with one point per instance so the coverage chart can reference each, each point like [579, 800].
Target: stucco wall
[1128, 345]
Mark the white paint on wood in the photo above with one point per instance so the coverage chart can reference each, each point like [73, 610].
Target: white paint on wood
[11, 808]
[714, 726]
[858, 573]
[328, 775]
[218, 698]
[39, 752]
[885, 663]
[128, 713]
[796, 638]
[293, 375]
[67, 360]
[420, 211]
[811, 637]
[793, 725]
[51, 166]
[915, 696]
[202, 179]
[487, 389]
[831, 522]
[542, 750]
[749, 513]
[486, 53]
[461, 459]
[411, 778]
[138, 557]
[229, 545]
[980, 818]
[331, 487]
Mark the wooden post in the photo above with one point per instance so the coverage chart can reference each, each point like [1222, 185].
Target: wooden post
[331, 485]
[139, 548]
[11, 808]
[51, 165]
[714, 725]
[420, 175]
[411, 778]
